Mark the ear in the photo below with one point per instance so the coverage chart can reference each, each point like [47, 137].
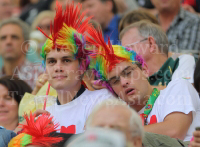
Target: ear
[152, 45]
[145, 70]
[109, 5]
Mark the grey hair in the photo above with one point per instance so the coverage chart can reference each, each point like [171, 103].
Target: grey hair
[23, 25]
[135, 120]
[147, 29]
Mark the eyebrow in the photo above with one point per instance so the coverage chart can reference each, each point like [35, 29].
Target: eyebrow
[121, 72]
[52, 58]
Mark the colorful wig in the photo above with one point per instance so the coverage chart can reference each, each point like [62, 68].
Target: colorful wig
[36, 132]
[108, 56]
[68, 31]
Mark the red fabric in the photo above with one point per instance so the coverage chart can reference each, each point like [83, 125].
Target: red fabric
[190, 2]
[69, 130]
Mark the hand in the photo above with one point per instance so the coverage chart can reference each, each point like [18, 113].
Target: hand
[42, 79]
[196, 141]
[97, 85]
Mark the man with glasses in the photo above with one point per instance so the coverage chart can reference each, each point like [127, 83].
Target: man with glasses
[149, 41]
[173, 111]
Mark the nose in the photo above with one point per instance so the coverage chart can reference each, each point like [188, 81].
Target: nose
[8, 40]
[2, 103]
[58, 67]
[124, 81]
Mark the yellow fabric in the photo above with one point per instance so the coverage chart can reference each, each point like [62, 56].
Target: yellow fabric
[27, 103]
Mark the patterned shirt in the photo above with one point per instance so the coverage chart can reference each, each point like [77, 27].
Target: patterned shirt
[184, 32]
[27, 72]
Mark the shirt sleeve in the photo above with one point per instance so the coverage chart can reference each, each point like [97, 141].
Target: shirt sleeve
[185, 69]
[179, 96]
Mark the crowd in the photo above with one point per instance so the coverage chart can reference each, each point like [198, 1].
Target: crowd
[120, 73]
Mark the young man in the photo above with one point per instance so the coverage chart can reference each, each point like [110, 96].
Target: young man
[65, 59]
[125, 73]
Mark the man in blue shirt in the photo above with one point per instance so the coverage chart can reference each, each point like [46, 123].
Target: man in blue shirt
[105, 13]
[5, 136]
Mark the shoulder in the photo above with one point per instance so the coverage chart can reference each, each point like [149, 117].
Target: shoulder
[98, 95]
[186, 57]
[191, 16]
[180, 87]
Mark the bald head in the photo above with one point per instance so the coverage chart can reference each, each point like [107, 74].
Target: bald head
[115, 114]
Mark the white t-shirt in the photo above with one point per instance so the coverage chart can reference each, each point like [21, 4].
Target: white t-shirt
[179, 96]
[73, 115]
[185, 69]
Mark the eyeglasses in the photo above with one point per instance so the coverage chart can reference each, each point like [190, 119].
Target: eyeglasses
[126, 73]
[132, 44]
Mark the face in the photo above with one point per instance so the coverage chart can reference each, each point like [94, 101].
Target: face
[167, 5]
[129, 82]
[5, 9]
[142, 48]
[12, 46]
[63, 70]
[99, 10]
[45, 25]
[117, 118]
[8, 107]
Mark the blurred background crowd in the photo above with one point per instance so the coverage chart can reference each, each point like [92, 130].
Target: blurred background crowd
[21, 42]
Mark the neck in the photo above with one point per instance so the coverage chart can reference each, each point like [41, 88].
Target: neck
[155, 63]
[66, 96]
[10, 126]
[9, 66]
[166, 18]
[144, 99]
[107, 21]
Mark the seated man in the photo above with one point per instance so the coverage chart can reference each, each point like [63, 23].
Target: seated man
[65, 58]
[125, 74]
[115, 114]
[149, 41]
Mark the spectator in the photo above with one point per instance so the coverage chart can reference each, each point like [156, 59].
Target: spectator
[126, 73]
[124, 6]
[98, 137]
[115, 114]
[135, 16]
[14, 37]
[105, 13]
[197, 76]
[43, 20]
[5, 136]
[65, 59]
[191, 5]
[149, 41]
[182, 28]
[34, 8]
[5, 9]
[12, 90]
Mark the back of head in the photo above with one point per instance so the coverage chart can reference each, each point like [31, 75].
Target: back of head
[136, 16]
[16, 87]
[147, 29]
[24, 26]
[98, 137]
[135, 121]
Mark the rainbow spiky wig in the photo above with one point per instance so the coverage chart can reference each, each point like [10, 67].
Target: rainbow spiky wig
[67, 31]
[36, 132]
[108, 56]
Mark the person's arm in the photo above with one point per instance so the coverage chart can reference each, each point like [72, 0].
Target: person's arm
[174, 125]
